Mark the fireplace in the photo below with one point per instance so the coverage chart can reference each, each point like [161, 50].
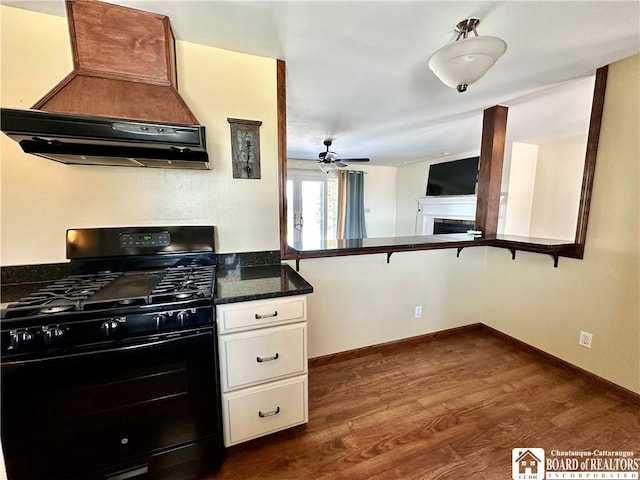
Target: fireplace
[456, 214]
[449, 225]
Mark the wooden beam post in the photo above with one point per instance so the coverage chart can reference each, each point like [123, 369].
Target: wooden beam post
[281, 87]
[597, 107]
[494, 128]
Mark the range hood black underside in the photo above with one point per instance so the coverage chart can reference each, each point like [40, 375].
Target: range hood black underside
[122, 156]
[85, 140]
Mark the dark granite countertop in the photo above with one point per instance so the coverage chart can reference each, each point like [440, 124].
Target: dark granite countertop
[242, 284]
[426, 242]
[21, 280]
[240, 277]
[384, 244]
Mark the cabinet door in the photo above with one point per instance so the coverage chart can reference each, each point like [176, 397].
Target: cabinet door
[236, 317]
[257, 411]
[258, 356]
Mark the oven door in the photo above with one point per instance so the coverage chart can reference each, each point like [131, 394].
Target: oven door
[114, 413]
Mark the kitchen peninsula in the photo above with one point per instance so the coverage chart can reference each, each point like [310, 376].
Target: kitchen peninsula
[390, 245]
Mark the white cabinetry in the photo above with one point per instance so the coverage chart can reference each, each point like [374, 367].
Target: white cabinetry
[263, 366]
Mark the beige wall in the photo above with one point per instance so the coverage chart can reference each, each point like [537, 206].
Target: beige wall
[544, 185]
[547, 307]
[557, 188]
[379, 200]
[522, 176]
[41, 198]
[412, 183]
[361, 300]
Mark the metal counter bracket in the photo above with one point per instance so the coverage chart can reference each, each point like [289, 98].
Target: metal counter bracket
[555, 256]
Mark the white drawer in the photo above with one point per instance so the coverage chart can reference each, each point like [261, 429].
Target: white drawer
[234, 317]
[262, 355]
[258, 411]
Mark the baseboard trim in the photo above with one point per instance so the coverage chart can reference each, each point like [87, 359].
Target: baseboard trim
[389, 346]
[541, 355]
[559, 362]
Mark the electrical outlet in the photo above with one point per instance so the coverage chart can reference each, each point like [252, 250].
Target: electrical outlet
[418, 311]
[585, 339]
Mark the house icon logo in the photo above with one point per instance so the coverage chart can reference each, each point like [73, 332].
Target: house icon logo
[527, 464]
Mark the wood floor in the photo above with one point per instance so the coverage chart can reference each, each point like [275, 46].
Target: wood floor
[448, 408]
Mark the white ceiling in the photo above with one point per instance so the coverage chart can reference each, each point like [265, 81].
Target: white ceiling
[357, 71]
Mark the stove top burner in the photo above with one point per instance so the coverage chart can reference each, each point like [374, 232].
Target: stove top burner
[56, 309]
[182, 283]
[106, 290]
[63, 295]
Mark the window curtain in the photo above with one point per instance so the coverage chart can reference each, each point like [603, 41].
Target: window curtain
[351, 204]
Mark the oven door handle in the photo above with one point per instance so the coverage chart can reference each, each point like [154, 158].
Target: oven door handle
[169, 341]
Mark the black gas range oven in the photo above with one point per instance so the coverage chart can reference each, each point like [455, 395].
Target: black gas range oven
[111, 373]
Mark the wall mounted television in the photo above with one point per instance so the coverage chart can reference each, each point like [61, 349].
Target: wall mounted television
[457, 177]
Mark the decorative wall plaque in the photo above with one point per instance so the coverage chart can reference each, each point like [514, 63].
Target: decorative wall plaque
[245, 147]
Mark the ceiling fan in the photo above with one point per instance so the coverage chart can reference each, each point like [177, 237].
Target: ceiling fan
[331, 158]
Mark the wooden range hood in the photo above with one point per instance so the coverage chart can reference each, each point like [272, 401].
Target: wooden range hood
[124, 66]
[120, 105]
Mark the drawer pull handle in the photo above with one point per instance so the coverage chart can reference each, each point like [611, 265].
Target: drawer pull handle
[269, 315]
[269, 414]
[267, 359]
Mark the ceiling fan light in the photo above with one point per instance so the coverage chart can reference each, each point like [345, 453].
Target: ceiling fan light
[465, 61]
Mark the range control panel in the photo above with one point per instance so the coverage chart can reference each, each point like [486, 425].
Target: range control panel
[154, 239]
[102, 243]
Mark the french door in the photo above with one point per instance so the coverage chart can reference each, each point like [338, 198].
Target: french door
[312, 209]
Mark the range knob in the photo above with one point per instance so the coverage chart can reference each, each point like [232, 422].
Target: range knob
[184, 318]
[161, 321]
[109, 328]
[19, 338]
[52, 335]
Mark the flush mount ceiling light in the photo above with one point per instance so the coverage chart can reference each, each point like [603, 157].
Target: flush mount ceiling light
[465, 60]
